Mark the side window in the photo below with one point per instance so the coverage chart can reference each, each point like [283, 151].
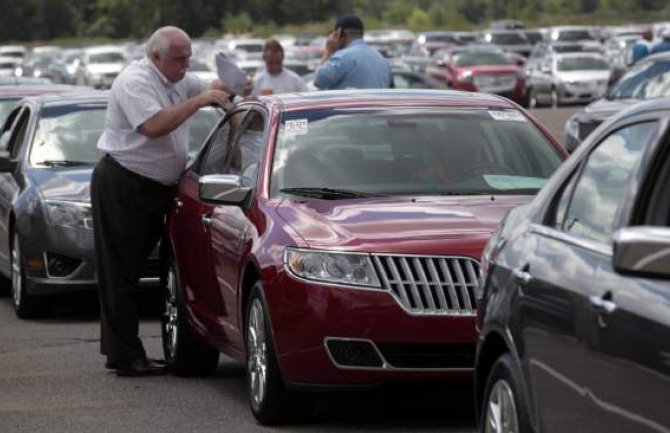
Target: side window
[8, 127]
[18, 134]
[214, 159]
[588, 209]
[245, 154]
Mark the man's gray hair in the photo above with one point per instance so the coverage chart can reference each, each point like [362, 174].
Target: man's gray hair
[159, 41]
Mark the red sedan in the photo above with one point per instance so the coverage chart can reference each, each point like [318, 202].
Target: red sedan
[481, 69]
[332, 238]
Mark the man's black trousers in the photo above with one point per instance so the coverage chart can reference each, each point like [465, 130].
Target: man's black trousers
[128, 217]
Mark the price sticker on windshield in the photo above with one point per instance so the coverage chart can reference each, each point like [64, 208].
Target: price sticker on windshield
[296, 127]
[507, 115]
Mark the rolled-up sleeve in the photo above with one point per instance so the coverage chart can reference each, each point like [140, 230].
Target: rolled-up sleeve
[137, 98]
[330, 74]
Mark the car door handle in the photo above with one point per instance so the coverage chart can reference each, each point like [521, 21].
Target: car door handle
[178, 203]
[206, 219]
[521, 275]
[602, 305]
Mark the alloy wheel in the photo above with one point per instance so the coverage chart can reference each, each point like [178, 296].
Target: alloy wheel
[501, 413]
[171, 314]
[257, 359]
[17, 280]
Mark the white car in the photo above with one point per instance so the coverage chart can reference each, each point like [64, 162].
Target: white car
[99, 66]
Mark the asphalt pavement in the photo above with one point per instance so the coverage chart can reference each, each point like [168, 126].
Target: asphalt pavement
[52, 380]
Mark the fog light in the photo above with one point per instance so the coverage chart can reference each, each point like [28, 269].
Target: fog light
[353, 353]
[60, 266]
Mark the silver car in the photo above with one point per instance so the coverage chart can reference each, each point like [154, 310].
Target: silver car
[568, 78]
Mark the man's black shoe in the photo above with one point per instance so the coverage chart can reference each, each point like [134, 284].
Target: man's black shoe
[140, 367]
[112, 365]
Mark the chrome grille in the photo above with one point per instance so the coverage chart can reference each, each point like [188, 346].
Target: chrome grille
[430, 285]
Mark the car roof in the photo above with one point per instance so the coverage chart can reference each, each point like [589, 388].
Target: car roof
[386, 97]
[21, 91]
[77, 97]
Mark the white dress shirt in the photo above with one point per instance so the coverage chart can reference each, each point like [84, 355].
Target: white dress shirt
[138, 93]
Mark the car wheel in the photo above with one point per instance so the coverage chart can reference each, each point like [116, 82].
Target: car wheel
[25, 305]
[269, 400]
[503, 409]
[532, 98]
[555, 100]
[185, 355]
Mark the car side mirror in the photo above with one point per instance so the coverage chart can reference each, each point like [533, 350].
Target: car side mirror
[224, 189]
[7, 165]
[642, 251]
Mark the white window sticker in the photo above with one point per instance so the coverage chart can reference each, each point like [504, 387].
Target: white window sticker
[507, 115]
[296, 127]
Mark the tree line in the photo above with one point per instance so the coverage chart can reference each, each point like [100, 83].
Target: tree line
[43, 20]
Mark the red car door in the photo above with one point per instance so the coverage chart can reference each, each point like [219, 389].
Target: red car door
[232, 228]
[191, 227]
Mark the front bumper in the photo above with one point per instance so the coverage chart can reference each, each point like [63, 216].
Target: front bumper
[313, 325]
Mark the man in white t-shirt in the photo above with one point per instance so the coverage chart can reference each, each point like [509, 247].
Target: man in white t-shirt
[275, 78]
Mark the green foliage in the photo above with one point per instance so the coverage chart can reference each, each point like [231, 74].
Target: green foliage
[44, 20]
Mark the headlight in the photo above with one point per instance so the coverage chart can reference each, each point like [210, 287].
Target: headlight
[466, 76]
[331, 267]
[70, 214]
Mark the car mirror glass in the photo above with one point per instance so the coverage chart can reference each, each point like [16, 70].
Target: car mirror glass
[642, 251]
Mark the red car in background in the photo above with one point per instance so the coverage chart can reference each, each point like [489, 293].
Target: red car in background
[481, 69]
[333, 238]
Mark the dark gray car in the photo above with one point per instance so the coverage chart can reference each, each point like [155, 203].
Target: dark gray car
[46, 231]
[574, 320]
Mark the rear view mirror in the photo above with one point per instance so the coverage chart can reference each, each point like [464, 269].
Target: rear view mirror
[642, 251]
[224, 188]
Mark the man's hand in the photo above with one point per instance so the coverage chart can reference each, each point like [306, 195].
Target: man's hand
[333, 43]
[246, 91]
[213, 97]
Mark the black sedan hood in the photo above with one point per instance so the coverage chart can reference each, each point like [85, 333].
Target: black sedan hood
[71, 183]
[603, 108]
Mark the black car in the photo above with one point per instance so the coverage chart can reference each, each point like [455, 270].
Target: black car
[649, 78]
[574, 318]
[47, 154]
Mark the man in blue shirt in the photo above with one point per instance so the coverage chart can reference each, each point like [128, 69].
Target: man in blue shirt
[643, 46]
[664, 44]
[349, 62]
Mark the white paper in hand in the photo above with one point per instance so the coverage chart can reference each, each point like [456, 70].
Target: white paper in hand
[229, 73]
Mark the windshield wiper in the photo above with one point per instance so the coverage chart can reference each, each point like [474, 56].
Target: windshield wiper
[466, 192]
[326, 193]
[63, 163]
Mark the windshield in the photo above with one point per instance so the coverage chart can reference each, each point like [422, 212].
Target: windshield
[430, 151]
[508, 39]
[106, 58]
[644, 81]
[481, 58]
[574, 35]
[68, 134]
[586, 63]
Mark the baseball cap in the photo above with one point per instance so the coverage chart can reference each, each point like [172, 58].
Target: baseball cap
[349, 21]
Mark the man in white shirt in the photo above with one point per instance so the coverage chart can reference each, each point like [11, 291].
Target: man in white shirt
[133, 186]
[275, 78]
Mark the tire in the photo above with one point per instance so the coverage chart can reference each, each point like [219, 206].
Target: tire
[270, 402]
[185, 355]
[555, 99]
[25, 306]
[532, 99]
[503, 408]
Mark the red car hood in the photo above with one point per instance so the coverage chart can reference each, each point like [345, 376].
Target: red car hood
[491, 70]
[424, 225]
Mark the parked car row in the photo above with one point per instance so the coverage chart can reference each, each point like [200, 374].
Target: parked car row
[350, 238]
